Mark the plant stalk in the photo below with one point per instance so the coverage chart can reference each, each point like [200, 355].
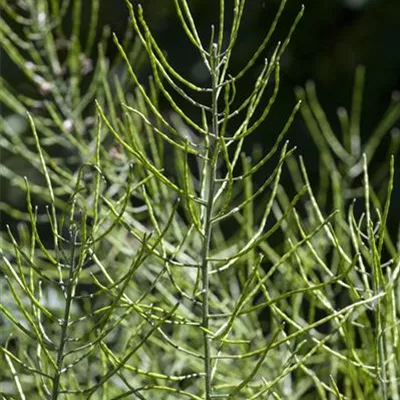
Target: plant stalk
[65, 322]
[210, 179]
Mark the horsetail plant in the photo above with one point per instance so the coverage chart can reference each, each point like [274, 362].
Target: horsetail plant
[168, 271]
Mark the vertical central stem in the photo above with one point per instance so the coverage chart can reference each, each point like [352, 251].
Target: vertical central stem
[65, 323]
[210, 171]
[206, 284]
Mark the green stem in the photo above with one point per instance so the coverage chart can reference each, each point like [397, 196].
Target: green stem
[210, 180]
[64, 324]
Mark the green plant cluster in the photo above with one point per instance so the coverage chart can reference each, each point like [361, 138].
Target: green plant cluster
[149, 262]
